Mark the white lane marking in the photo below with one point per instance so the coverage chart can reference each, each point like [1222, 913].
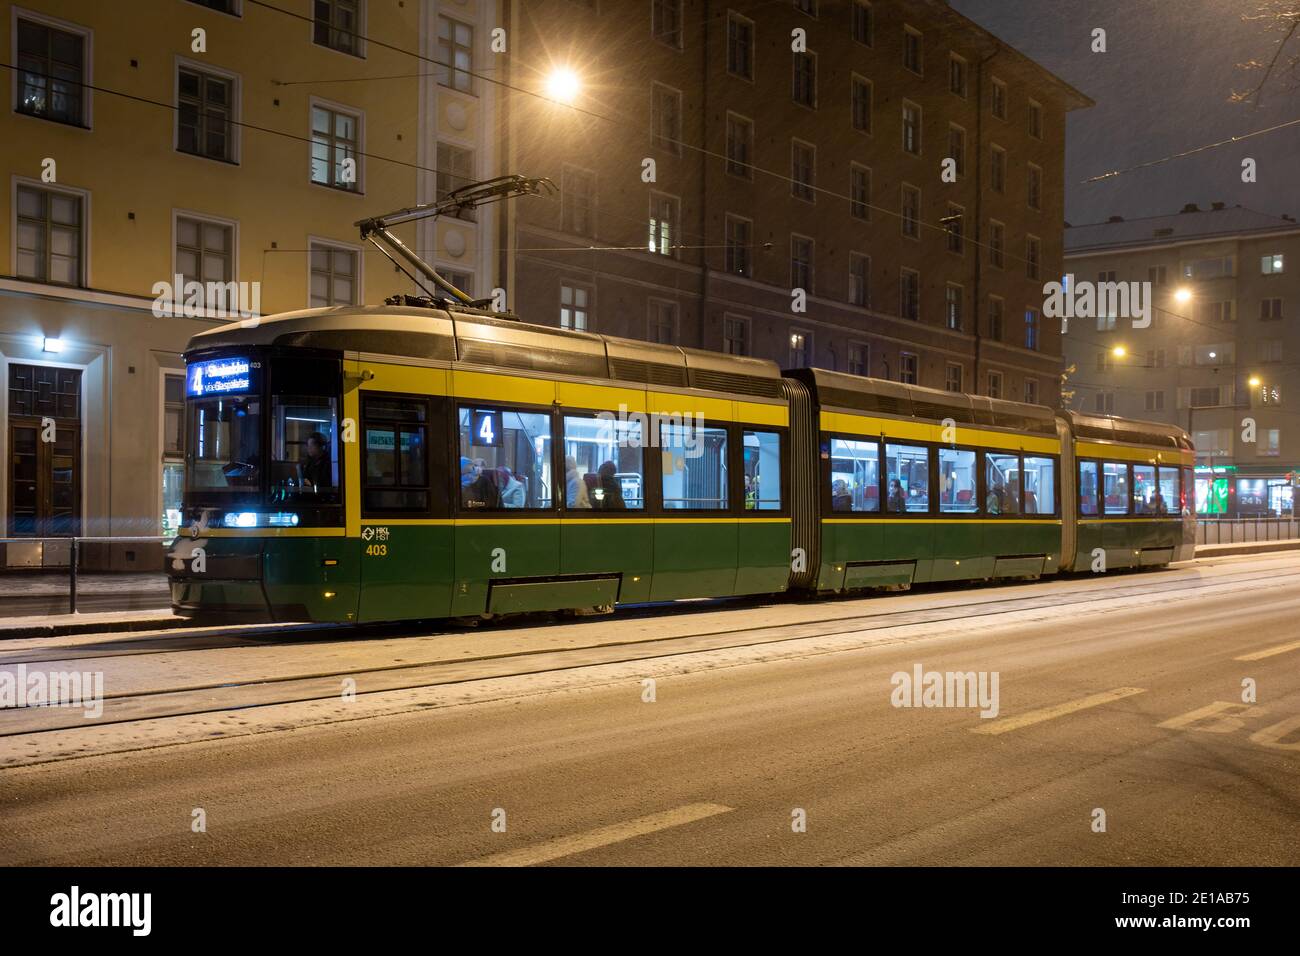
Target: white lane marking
[1057, 710]
[601, 836]
[1269, 652]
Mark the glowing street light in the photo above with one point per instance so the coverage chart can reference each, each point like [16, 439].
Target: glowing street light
[563, 85]
[1183, 295]
[1254, 381]
[1119, 351]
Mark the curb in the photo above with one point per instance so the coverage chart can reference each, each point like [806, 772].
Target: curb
[70, 628]
[1251, 547]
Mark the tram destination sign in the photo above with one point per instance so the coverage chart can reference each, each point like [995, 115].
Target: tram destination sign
[225, 376]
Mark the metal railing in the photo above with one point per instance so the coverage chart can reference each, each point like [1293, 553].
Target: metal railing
[73, 546]
[1245, 530]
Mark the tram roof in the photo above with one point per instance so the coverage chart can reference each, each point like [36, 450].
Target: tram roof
[894, 398]
[1127, 430]
[477, 337]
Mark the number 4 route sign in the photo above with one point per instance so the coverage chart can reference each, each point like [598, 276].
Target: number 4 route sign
[486, 431]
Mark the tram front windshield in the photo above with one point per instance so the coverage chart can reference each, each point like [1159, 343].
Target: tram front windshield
[257, 450]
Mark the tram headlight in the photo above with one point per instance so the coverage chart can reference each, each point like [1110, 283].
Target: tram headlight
[240, 519]
[251, 519]
[284, 519]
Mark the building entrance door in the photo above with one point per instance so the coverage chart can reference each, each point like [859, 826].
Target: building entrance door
[44, 470]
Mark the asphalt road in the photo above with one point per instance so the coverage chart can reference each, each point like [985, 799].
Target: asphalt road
[1121, 695]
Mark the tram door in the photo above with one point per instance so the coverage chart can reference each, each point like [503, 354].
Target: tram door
[44, 469]
[406, 539]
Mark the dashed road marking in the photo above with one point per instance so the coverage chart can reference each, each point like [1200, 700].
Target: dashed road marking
[601, 836]
[1057, 710]
[1269, 652]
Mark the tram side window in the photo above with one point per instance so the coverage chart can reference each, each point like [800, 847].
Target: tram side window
[762, 471]
[1002, 483]
[396, 465]
[1144, 488]
[603, 463]
[957, 491]
[1165, 502]
[909, 478]
[1187, 495]
[1087, 487]
[505, 459]
[1115, 487]
[304, 455]
[1040, 486]
[855, 475]
[694, 467]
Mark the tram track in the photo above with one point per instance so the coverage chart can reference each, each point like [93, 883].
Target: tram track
[264, 691]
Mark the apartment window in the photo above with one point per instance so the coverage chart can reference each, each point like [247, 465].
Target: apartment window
[205, 114]
[859, 279]
[1031, 391]
[957, 148]
[800, 349]
[801, 263]
[1104, 403]
[739, 241]
[1203, 397]
[336, 24]
[859, 359]
[803, 166]
[997, 244]
[666, 119]
[1155, 401]
[911, 128]
[50, 230]
[911, 218]
[1270, 350]
[1034, 183]
[740, 146]
[908, 366]
[222, 6]
[51, 72]
[578, 201]
[1035, 119]
[335, 148]
[666, 22]
[912, 50]
[205, 251]
[1109, 276]
[909, 294]
[999, 99]
[957, 75]
[455, 55]
[859, 192]
[952, 299]
[953, 229]
[860, 104]
[1220, 311]
[1106, 322]
[1212, 268]
[735, 335]
[952, 377]
[663, 322]
[1271, 265]
[806, 6]
[663, 224]
[461, 280]
[998, 169]
[1270, 442]
[1031, 257]
[575, 307]
[1157, 275]
[333, 275]
[803, 88]
[1270, 309]
[1031, 328]
[1155, 358]
[995, 384]
[740, 46]
[995, 318]
[1104, 361]
[863, 27]
[455, 170]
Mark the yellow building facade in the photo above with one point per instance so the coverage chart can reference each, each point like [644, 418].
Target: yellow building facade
[231, 144]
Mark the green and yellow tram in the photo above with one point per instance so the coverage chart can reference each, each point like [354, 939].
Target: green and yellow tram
[406, 462]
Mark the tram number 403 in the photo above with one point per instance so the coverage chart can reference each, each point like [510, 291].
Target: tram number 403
[377, 550]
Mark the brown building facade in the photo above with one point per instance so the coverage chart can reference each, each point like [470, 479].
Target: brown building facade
[719, 158]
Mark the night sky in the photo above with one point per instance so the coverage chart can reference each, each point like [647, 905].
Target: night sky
[1163, 86]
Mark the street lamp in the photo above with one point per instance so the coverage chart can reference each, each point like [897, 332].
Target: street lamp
[562, 85]
[1183, 295]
